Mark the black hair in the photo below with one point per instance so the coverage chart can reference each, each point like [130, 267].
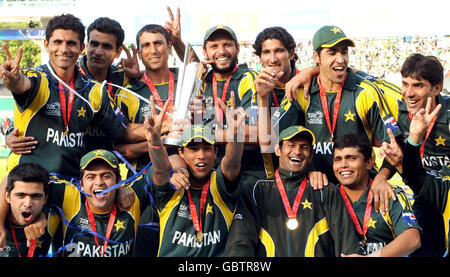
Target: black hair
[419, 67]
[153, 28]
[65, 22]
[108, 26]
[278, 33]
[362, 143]
[28, 172]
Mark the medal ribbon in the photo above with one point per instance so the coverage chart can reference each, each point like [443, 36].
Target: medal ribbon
[195, 218]
[156, 94]
[337, 103]
[65, 112]
[33, 242]
[275, 100]
[219, 112]
[291, 212]
[112, 218]
[352, 213]
[422, 147]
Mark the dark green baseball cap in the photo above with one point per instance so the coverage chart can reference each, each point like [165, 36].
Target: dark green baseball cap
[292, 131]
[102, 154]
[197, 131]
[219, 27]
[329, 36]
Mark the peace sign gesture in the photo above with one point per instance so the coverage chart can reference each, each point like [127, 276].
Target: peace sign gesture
[235, 117]
[10, 69]
[153, 124]
[130, 65]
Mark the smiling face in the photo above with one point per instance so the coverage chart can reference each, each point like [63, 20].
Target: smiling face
[350, 167]
[64, 47]
[97, 177]
[26, 200]
[416, 92]
[295, 154]
[274, 55]
[101, 51]
[222, 50]
[333, 63]
[154, 51]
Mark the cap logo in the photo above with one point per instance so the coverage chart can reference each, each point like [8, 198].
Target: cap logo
[198, 129]
[336, 30]
[99, 153]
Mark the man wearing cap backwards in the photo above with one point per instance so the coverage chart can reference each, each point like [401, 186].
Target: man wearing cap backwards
[394, 234]
[339, 102]
[194, 221]
[290, 219]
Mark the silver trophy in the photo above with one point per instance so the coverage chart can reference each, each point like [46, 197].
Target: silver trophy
[188, 85]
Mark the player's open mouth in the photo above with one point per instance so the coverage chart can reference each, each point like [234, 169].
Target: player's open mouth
[27, 216]
[339, 69]
[98, 195]
[201, 165]
[296, 160]
[346, 173]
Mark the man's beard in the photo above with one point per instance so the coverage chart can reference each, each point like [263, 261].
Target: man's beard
[226, 69]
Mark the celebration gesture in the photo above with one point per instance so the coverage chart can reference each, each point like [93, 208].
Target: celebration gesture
[267, 80]
[421, 120]
[10, 71]
[130, 65]
[235, 120]
[153, 124]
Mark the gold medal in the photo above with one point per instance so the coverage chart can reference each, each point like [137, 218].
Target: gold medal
[364, 241]
[331, 138]
[66, 131]
[199, 236]
[292, 224]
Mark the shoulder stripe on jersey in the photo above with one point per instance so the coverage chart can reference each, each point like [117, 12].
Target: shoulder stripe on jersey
[71, 203]
[267, 242]
[225, 210]
[446, 216]
[320, 228]
[166, 211]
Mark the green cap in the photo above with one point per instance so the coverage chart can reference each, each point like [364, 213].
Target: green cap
[219, 27]
[329, 36]
[292, 131]
[197, 131]
[105, 155]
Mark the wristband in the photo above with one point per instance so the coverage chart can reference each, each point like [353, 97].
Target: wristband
[414, 144]
[157, 147]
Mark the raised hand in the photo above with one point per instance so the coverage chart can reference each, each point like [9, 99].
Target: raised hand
[130, 65]
[235, 118]
[153, 124]
[392, 152]
[174, 26]
[10, 69]
[267, 80]
[421, 120]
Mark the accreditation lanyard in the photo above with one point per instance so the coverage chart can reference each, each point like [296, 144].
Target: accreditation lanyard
[110, 88]
[195, 217]
[337, 103]
[430, 127]
[155, 91]
[66, 110]
[352, 213]
[291, 212]
[219, 112]
[112, 218]
[33, 242]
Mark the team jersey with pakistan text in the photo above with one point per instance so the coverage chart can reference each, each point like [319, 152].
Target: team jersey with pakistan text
[359, 112]
[78, 243]
[37, 113]
[383, 229]
[177, 233]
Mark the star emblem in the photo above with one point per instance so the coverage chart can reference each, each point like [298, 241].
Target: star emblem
[306, 204]
[349, 116]
[336, 30]
[39, 243]
[119, 225]
[228, 102]
[440, 141]
[198, 129]
[99, 152]
[81, 112]
[209, 209]
[372, 223]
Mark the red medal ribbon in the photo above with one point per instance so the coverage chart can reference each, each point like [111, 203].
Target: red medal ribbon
[33, 242]
[112, 218]
[195, 218]
[275, 100]
[291, 212]
[155, 91]
[65, 112]
[219, 112]
[337, 103]
[422, 147]
[352, 213]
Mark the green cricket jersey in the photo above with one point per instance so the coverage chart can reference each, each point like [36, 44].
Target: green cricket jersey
[325, 228]
[37, 113]
[383, 229]
[78, 243]
[359, 112]
[177, 233]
